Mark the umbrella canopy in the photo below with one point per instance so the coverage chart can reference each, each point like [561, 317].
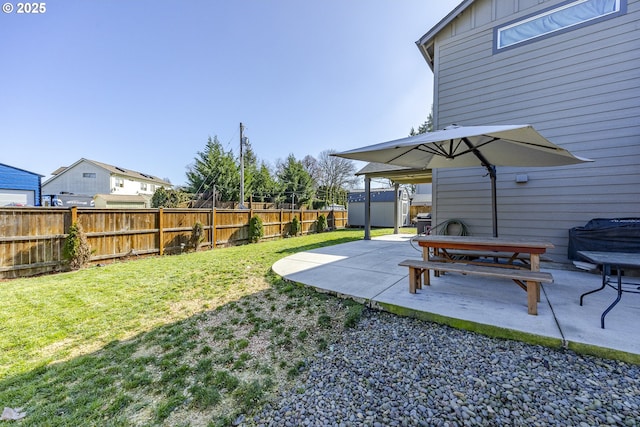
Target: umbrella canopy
[468, 146]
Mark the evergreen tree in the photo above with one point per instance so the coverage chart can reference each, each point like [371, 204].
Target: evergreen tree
[215, 167]
[295, 181]
[163, 198]
[264, 186]
[425, 127]
[251, 169]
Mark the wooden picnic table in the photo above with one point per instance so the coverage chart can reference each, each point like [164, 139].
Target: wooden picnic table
[521, 261]
[449, 247]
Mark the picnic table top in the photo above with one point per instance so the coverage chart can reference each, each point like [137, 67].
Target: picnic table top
[482, 241]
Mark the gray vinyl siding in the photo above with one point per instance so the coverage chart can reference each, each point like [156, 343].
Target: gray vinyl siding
[580, 89]
[72, 181]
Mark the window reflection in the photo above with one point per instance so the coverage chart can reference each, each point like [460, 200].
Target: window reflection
[554, 20]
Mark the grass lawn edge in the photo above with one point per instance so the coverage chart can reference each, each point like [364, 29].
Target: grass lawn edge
[487, 330]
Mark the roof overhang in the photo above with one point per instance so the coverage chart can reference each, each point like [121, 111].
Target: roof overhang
[425, 43]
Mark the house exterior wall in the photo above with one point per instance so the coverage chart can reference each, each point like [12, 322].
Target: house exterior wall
[122, 184]
[79, 180]
[18, 186]
[580, 89]
[88, 178]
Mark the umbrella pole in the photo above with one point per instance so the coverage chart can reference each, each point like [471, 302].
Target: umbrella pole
[492, 173]
[494, 202]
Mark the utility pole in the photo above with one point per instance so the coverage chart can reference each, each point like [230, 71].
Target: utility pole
[241, 167]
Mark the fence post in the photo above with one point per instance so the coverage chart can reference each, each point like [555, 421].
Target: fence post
[74, 215]
[161, 231]
[213, 228]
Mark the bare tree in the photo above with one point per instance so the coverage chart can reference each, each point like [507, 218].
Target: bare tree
[311, 166]
[335, 175]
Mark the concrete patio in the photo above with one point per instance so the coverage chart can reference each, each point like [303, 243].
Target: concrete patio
[368, 271]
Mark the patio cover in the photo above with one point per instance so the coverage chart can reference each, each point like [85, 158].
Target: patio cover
[397, 174]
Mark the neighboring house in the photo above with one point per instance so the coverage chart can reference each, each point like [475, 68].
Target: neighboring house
[569, 68]
[19, 187]
[88, 177]
[383, 205]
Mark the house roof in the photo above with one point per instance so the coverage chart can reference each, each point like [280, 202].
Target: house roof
[115, 170]
[399, 174]
[426, 40]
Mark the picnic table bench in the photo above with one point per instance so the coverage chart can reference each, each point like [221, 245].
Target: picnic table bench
[526, 279]
[460, 254]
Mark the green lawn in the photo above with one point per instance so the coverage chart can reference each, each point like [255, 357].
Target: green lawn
[193, 339]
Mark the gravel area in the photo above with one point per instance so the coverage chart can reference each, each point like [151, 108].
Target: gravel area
[395, 371]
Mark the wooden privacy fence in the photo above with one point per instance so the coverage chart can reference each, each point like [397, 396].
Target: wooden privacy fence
[31, 239]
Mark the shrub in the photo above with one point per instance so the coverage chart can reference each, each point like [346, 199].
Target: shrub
[76, 251]
[256, 229]
[295, 226]
[197, 236]
[169, 198]
[354, 314]
[321, 223]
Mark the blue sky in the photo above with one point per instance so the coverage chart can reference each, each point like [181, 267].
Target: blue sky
[143, 84]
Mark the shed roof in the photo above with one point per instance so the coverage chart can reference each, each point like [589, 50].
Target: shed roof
[399, 174]
[123, 198]
[379, 195]
[21, 170]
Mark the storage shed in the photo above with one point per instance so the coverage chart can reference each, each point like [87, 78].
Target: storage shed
[19, 187]
[382, 207]
[121, 201]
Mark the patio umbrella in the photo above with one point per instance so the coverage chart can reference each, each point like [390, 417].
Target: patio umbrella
[469, 146]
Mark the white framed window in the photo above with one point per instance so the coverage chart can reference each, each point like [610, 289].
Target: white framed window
[88, 174]
[120, 182]
[143, 186]
[562, 18]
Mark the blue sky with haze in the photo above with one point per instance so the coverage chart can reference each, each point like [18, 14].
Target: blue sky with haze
[143, 84]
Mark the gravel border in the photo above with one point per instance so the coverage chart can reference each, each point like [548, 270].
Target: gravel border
[398, 371]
